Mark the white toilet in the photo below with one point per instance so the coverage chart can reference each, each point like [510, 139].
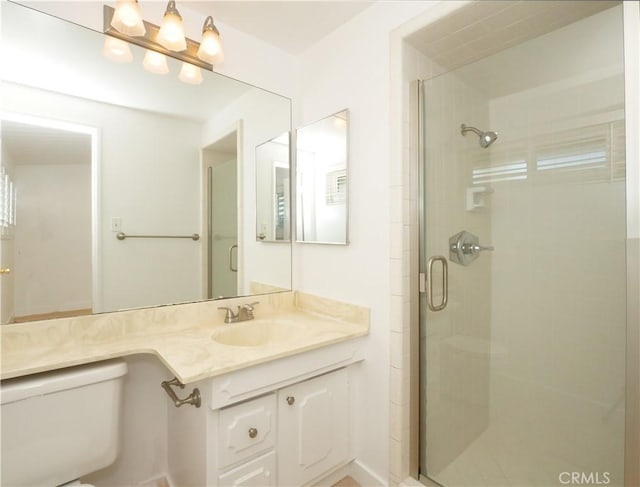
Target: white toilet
[59, 426]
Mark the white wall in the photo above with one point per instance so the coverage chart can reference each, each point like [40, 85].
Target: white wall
[143, 447]
[350, 68]
[53, 265]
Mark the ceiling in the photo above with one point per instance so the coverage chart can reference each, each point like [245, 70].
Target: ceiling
[44, 145]
[483, 28]
[292, 25]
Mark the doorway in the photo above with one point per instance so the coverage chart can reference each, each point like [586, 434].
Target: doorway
[222, 259]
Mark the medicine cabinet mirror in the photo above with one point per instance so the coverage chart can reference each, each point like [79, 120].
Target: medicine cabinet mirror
[322, 211]
[96, 148]
[273, 190]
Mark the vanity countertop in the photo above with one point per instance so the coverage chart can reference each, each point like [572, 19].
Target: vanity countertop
[181, 336]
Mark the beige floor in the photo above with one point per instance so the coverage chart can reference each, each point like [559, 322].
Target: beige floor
[346, 482]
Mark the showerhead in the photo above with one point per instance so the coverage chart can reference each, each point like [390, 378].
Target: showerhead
[486, 138]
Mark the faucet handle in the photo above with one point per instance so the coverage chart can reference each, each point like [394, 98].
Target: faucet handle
[248, 309]
[230, 316]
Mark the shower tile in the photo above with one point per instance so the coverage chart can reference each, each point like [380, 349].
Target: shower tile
[396, 204]
[396, 277]
[396, 244]
[395, 428]
[397, 317]
[396, 349]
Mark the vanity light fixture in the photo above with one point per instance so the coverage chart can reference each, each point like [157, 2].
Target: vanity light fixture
[190, 74]
[127, 18]
[167, 40]
[171, 34]
[117, 50]
[210, 50]
[155, 62]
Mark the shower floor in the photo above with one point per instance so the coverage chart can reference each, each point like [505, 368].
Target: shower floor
[497, 458]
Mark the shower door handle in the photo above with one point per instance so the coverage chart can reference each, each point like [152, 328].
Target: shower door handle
[445, 283]
[231, 268]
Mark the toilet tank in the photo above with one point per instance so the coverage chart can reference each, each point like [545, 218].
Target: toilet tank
[58, 426]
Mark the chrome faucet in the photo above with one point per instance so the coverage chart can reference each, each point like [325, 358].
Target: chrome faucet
[245, 313]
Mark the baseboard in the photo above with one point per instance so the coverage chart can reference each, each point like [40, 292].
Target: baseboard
[356, 470]
[411, 482]
[162, 481]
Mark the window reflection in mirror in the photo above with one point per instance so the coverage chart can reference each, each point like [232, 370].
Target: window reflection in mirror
[322, 181]
[273, 190]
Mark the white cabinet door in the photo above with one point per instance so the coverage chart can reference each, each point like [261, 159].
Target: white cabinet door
[256, 473]
[313, 427]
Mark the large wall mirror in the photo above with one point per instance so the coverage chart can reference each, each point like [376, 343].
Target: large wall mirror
[93, 149]
[322, 211]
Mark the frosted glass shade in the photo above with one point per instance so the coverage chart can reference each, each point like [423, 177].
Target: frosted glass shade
[155, 62]
[127, 18]
[210, 50]
[117, 50]
[171, 34]
[190, 74]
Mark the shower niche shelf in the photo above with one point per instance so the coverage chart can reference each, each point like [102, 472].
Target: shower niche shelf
[476, 197]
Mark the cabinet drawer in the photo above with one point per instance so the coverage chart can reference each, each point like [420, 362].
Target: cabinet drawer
[256, 473]
[246, 429]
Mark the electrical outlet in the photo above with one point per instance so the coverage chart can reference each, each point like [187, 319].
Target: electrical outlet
[116, 224]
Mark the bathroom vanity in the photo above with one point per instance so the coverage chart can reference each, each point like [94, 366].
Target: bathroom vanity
[275, 395]
[282, 423]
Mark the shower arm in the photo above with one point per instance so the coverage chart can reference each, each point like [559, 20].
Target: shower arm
[465, 128]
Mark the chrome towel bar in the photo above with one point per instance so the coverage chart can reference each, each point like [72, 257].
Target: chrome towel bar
[122, 236]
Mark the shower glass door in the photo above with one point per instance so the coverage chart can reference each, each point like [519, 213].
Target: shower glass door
[522, 346]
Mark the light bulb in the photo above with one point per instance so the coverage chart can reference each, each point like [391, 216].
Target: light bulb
[171, 34]
[190, 74]
[127, 18]
[155, 62]
[210, 50]
[117, 50]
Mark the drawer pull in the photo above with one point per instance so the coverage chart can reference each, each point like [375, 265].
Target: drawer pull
[253, 432]
[290, 400]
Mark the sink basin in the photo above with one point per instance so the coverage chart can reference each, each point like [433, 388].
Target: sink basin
[256, 333]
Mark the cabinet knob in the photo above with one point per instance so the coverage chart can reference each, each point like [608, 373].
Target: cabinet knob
[5, 271]
[290, 400]
[253, 432]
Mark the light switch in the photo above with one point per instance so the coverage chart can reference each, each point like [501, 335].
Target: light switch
[116, 224]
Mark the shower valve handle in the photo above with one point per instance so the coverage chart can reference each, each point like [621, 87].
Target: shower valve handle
[474, 249]
[464, 248]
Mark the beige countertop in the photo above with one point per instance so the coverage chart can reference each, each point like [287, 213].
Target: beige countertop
[181, 336]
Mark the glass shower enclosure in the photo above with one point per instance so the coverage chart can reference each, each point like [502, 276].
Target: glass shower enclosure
[522, 260]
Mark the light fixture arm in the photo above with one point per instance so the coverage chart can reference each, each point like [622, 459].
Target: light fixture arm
[208, 24]
[171, 9]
